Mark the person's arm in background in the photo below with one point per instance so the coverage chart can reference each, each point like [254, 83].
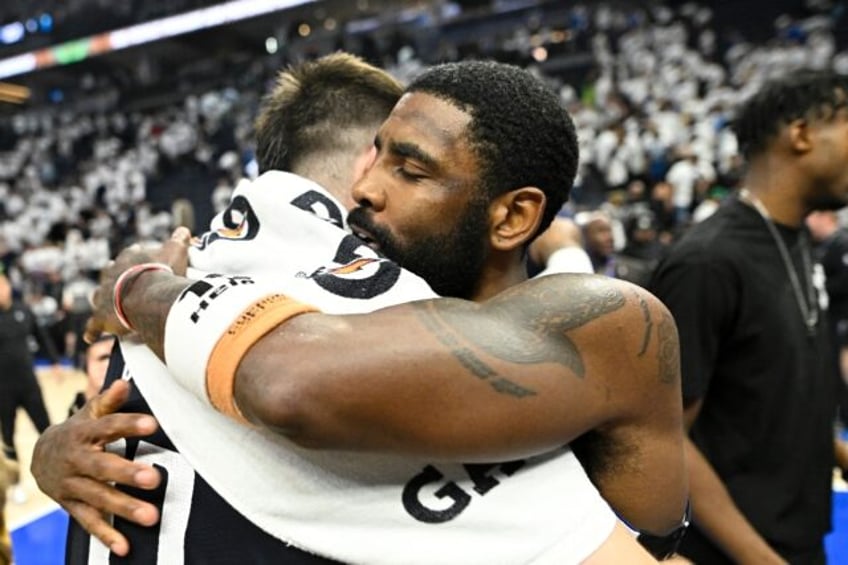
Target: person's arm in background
[559, 249]
[714, 511]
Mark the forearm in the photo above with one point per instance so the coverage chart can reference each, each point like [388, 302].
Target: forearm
[146, 303]
[715, 514]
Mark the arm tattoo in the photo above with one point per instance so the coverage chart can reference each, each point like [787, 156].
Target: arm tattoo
[438, 326]
[534, 320]
[148, 310]
[649, 324]
[669, 351]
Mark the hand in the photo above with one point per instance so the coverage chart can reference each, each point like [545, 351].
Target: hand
[174, 253]
[561, 233]
[70, 466]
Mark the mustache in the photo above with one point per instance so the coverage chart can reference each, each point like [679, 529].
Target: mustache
[361, 218]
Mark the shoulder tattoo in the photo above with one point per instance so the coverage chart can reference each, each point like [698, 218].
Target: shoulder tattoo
[536, 317]
[649, 324]
[668, 350]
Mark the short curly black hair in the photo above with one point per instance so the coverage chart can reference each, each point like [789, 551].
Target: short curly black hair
[314, 103]
[519, 129]
[800, 94]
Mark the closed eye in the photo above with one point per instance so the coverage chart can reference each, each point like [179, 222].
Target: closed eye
[407, 175]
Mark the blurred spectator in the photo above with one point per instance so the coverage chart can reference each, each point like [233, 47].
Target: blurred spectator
[19, 387]
[559, 249]
[6, 479]
[598, 241]
[831, 251]
[639, 258]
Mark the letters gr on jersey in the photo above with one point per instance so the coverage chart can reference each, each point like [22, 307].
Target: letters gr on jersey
[206, 291]
[357, 275]
[240, 224]
[430, 477]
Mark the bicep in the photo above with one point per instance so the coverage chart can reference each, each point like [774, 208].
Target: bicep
[441, 378]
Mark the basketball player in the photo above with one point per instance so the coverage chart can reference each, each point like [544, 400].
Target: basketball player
[505, 384]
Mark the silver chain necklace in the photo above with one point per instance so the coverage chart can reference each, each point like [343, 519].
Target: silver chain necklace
[809, 307]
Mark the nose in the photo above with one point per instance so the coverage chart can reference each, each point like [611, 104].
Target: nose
[367, 192]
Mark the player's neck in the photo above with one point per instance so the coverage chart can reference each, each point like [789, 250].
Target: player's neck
[497, 277]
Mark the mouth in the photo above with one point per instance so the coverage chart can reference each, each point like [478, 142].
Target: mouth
[366, 237]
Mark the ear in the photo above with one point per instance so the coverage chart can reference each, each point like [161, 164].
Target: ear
[800, 135]
[515, 217]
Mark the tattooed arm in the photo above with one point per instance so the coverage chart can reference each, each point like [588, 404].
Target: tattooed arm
[526, 371]
[544, 363]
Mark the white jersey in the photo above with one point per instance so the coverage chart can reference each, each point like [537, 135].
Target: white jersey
[353, 507]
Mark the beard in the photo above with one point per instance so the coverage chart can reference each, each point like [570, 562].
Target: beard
[451, 263]
[828, 203]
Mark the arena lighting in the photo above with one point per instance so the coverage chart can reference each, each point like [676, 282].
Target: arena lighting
[12, 33]
[271, 45]
[13, 93]
[79, 49]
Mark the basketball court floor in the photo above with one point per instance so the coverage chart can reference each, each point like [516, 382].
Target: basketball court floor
[38, 526]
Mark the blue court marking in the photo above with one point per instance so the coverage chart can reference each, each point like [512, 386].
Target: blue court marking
[42, 541]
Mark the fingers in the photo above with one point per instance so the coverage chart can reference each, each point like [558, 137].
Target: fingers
[107, 499]
[93, 329]
[94, 523]
[181, 234]
[111, 427]
[108, 401]
[175, 250]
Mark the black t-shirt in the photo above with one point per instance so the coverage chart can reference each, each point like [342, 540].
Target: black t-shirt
[766, 424]
[833, 257]
[197, 526]
[17, 327]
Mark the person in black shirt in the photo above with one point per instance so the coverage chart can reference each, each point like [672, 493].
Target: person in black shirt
[759, 392]
[831, 253]
[18, 385]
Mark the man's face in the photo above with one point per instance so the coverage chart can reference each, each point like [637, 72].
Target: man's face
[97, 362]
[598, 236]
[419, 203]
[831, 153]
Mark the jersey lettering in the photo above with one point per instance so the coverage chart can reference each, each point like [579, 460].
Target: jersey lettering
[206, 292]
[480, 475]
[363, 273]
[240, 223]
[321, 205]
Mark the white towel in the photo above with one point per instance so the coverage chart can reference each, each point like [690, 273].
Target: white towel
[354, 507]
